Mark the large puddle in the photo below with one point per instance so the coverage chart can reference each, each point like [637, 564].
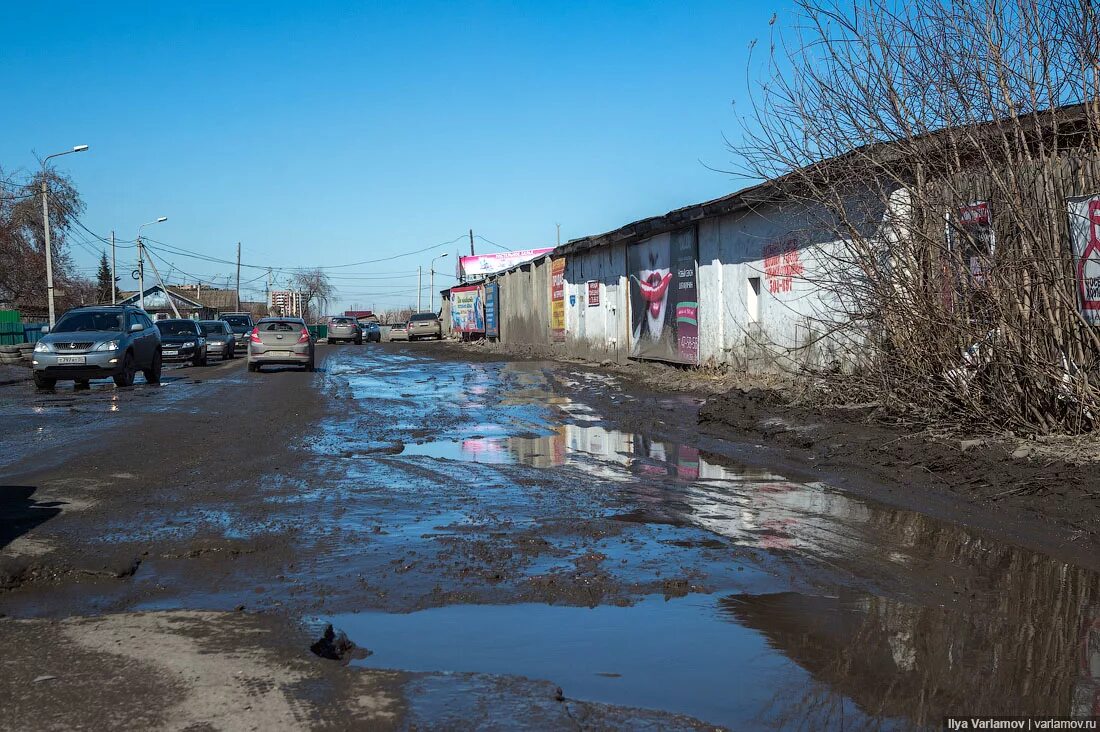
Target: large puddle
[806, 607]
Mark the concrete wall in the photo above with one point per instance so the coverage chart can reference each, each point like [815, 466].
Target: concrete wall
[761, 303]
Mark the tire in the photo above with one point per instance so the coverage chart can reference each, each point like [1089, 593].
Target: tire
[126, 378]
[358, 341]
[44, 382]
[152, 374]
[82, 384]
[311, 367]
[231, 353]
[253, 368]
[199, 361]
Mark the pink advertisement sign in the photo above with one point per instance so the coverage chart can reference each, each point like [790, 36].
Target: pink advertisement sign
[485, 264]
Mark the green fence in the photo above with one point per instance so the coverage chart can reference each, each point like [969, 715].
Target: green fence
[11, 328]
[319, 331]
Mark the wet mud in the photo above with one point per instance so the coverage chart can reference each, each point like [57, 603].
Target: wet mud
[495, 530]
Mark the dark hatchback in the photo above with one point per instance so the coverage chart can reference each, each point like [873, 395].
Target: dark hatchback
[241, 324]
[182, 340]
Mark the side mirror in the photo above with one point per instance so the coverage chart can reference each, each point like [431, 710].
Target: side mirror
[45, 329]
[136, 328]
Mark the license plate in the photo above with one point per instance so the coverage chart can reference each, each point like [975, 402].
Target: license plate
[61, 360]
[171, 353]
[277, 353]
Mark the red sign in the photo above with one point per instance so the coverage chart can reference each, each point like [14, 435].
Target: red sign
[593, 293]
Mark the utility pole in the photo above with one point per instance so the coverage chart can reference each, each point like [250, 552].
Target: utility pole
[171, 300]
[238, 277]
[419, 286]
[559, 233]
[49, 250]
[141, 274]
[46, 225]
[114, 279]
[267, 292]
[471, 242]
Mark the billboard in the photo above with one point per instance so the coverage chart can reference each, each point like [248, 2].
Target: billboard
[971, 236]
[1084, 238]
[485, 264]
[467, 311]
[492, 310]
[557, 299]
[664, 303]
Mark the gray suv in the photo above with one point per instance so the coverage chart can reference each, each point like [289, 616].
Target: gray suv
[96, 343]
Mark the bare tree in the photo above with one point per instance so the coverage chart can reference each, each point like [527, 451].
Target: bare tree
[316, 291]
[22, 243]
[931, 148]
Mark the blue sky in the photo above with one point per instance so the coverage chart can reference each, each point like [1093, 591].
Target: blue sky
[322, 133]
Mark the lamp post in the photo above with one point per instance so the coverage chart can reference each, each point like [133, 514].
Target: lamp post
[431, 280]
[141, 261]
[46, 226]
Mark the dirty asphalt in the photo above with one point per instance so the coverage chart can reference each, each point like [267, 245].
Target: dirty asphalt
[508, 544]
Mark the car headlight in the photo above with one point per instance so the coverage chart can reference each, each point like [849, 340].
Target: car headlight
[188, 344]
[107, 346]
[41, 347]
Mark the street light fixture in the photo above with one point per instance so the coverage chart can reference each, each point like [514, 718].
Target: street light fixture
[46, 226]
[431, 279]
[141, 261]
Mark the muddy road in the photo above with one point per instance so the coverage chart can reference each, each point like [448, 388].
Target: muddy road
[487, 532]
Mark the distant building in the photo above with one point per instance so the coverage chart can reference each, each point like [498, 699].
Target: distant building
[285, 302]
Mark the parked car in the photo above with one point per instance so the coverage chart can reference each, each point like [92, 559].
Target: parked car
[344, 329]
[399, 332]
[241, 324]
[97, 343]
[371, 332]
[279, 340]
[183, 340]
[219, 339]
[425, 325]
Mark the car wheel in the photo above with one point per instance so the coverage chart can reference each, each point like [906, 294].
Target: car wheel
[199, 361]
[231, 353]
[126, 378]
[152, 374]
[310, 367]
[81, 384]
[44, 382]
[358, 341]
[253, 367]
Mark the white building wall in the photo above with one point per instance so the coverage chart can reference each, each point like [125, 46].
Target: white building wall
[603, 329]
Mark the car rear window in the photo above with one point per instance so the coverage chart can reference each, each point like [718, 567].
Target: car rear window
[342, 321]
[279, 326]
[424, 316]
[216, 327]
[177, 327]
[237, 320]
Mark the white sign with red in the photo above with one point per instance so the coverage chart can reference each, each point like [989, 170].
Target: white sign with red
[1084, 235]
[485, 264]
[593, 293]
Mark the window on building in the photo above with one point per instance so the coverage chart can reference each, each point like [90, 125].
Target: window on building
[752, 299]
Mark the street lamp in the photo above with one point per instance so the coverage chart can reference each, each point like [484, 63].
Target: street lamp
[46, 226]
[431, 279]
[141, 261]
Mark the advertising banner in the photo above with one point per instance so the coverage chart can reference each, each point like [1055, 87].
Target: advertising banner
[485, 264]
[971, 236]
[664, 302]
[593, 293]
[557, 299]
[1084, 237]
[467, 311]
[492, 310]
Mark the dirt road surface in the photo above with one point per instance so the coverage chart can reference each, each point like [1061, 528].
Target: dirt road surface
[508, 544]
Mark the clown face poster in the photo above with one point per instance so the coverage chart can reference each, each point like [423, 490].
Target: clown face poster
[664, 307]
